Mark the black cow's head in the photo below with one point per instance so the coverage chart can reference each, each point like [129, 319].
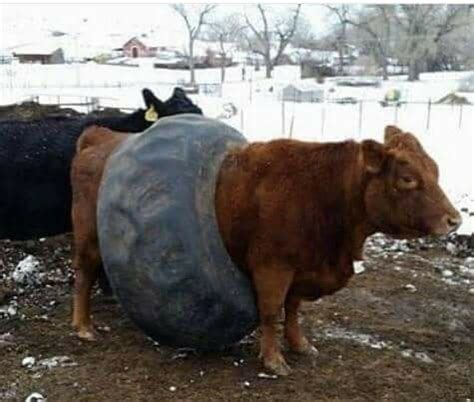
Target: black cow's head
[178, 103]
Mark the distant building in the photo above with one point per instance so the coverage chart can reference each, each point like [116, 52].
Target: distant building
[5, 57]
[315, 61]
[139, 47]
[304, 91]
[39, 54]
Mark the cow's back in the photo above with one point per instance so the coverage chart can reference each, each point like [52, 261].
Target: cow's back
[281, 198]
[35, 159]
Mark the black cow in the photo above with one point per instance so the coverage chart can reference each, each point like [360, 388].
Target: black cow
[35, 161]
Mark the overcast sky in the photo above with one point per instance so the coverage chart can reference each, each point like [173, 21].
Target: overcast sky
[21, 23]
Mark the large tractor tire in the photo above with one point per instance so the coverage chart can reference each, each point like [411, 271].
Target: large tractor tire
[159, 238]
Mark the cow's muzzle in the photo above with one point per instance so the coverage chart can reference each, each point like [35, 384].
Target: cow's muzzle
[449, 223]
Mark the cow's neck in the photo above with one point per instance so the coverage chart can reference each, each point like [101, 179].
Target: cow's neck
[343, 213]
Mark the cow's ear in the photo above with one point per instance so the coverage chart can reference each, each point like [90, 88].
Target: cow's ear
[375, 155]
[179, 92]
[151, 100]
[390, 133]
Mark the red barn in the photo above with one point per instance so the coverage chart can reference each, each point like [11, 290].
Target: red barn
[136, 47]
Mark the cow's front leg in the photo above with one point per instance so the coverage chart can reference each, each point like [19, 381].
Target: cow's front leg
[271, 284]
[294, 335]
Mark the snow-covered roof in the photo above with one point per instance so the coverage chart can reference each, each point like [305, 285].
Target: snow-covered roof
[306, 86]
[36, 48]
[323, 54]
[156, 38]
[145, 40]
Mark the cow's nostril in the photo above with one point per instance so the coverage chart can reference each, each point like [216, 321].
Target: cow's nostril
[454, 221]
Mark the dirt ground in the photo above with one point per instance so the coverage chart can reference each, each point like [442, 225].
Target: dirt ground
[402, 331]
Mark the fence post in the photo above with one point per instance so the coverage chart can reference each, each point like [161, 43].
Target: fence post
[360, 118]
[460, 115]
[250, 91]
[292, 122]
[323, 118]
[282, 118]
[428, 115]
[242, 119]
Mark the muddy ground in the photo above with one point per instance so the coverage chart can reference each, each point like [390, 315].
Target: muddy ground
[402, 331]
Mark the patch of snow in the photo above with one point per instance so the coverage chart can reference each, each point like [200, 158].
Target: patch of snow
[9, 310]
[451, 248]
[27, 271]
[267, 376]
[469, 262]
[447, 273]
[362, 339]
[373, 342]
[359, 267]
[411, 288]
[56, 361]
[28, 362]
[422, 356]
[35, 397]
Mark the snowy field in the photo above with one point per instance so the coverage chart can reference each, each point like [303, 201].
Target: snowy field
[445, 131]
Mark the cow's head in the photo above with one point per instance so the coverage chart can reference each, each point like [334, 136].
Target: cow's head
[403, 197]
[177, 103]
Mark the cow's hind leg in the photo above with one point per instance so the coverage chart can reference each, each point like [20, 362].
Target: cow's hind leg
[86, 265]
[294, 335]
[271, 284]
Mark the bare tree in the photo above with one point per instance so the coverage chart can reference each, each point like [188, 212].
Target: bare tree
[194, 16]
[271, 32]
[226, 30]
[456, 49]
[341, 12]
[422, 28]
[376, 21]
[304, 36]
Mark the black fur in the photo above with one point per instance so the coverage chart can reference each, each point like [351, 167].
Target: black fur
[35, 161]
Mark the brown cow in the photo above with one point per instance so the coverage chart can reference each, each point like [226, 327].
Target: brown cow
[92, 150]
[296, 215]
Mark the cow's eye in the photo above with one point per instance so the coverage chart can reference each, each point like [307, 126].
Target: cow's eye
[407, 182]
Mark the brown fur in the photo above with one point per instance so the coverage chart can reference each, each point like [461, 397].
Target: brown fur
[295, 215]
[92, 151]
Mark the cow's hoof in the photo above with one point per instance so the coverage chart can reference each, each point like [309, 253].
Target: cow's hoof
[87, 334]
[277, 365]
[306, 349]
